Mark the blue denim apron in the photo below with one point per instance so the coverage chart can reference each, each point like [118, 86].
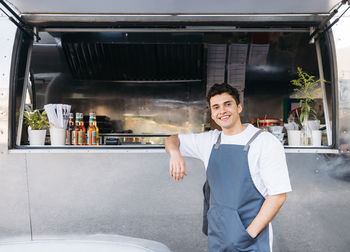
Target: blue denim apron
[234, 200]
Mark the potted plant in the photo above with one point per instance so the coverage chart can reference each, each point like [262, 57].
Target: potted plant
[306, 87]
[37, 124]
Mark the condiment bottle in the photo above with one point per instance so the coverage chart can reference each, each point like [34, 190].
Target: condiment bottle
[82, 131]
[91, 131]
[97, 131]
[75, 132]
[69, 130]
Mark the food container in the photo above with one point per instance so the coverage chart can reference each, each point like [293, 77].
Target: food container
[268, 122]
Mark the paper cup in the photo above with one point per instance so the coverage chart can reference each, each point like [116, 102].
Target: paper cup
[57, 136]
[316, 137]
[294, 137]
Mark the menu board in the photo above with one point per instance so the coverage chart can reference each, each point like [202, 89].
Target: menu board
[236, 67]
[216, 64]
[258, 54]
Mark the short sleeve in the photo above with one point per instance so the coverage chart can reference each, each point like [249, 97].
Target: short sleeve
[273, 167]
[196, 145]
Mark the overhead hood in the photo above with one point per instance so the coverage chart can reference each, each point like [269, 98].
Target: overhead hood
[134, 57]
[112, 13]
[176, 7]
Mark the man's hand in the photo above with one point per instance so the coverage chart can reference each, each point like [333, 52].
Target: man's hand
[177, 165]
[269, 209]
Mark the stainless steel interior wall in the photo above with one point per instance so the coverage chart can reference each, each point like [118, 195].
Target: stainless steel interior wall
[151, 108]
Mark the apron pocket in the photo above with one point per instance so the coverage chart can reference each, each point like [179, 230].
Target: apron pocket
[246, 239]
[232, 231]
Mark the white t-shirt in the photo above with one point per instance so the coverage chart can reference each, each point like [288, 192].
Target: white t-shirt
[266, 156]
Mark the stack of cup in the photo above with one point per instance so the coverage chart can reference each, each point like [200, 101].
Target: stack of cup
[58, 136]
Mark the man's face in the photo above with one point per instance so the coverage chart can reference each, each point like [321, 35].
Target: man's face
[225, 111]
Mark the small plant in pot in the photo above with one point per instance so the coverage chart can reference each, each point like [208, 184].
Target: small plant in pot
[306, 87]
[37, 124]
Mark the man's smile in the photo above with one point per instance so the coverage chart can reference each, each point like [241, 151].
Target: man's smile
[224, 117]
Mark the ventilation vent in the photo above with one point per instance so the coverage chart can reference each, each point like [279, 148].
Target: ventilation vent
[134, 62]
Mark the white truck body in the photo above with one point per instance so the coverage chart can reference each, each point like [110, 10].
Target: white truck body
[127, 191]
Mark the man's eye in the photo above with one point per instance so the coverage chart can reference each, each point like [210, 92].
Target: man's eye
[228, 104]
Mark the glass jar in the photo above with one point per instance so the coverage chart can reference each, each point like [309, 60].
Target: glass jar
[306, 133]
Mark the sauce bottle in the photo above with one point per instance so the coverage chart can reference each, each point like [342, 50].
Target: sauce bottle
[97, 131]
[91, 131]
[82, 131]
[69, 130]
[76, 129]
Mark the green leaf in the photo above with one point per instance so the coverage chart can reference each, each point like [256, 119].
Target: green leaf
[305, 88]
[36, 120]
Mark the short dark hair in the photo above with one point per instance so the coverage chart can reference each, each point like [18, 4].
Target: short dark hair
[218, 89]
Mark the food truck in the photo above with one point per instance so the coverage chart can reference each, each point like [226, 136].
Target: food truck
[143, 68]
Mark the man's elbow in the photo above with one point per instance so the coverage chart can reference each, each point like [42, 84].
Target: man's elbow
[282, 198]
[278, 199]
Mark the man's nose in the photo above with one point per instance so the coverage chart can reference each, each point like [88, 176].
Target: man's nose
[221, 110]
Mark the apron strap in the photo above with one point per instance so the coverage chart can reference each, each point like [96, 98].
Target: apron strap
[252, 139]
[218, 142]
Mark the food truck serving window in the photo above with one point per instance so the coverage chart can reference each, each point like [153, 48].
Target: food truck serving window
[133, 89]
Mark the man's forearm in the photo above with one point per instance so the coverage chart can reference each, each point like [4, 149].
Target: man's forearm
[269, 209]
[172, 144]
[177, 166]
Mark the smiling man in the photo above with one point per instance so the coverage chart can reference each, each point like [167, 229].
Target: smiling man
[246, 171]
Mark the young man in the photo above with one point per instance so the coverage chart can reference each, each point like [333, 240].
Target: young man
[246, 170]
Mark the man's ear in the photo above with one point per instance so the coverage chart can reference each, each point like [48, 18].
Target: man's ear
[239, 107]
